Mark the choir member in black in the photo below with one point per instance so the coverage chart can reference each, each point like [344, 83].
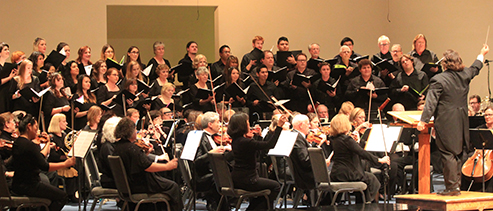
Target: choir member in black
[93, 118]
[70, 74]
[356, 88]
[108, 92]
[384, 46]
[83, 99]
[217, 68]
[347, 158]
[245, 149]
[349, 66]
[298, 94]
[66, 49]
[314, 50]
[55, 101]
[99, 68]
[330, 98]
[199, 61]
[131, 86]
[107, 52]
[5, 82]
[162, 72]
[29, 161]
[56, 130]
[257, 102]
[423, 56]
[446, 100]
[18, 57]
[39, 44]
[37, 58]
[268, 61]
[248, 62]
[134, 70]
[157, 60]
[231, 78]
[107, 148]
[186, 62]
[140, 170]
[396, 52]
[133, 55]
[83, 58]
[232, 61]
[165, 99]
[25, 80]
[210, 124]
[406, 86]
[347, 41]
[283, 45]
[197, 103]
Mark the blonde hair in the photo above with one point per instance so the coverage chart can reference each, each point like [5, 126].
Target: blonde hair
[22, 74]
[166, 86]
[92, 113]
[196, 60]
[383, 38]
[130, 72]
[417, 38]
[346, 108]
[355, 113]
[274, 121]
[339, 125]
[55, 123]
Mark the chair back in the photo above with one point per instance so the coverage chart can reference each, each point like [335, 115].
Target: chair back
[92, 171]
[4, 188]
[275, 167]
[222, 176]
[120, 176]
[184, 167]
[319, 166]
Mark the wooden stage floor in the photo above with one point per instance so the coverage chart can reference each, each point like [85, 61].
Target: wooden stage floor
[466, 201]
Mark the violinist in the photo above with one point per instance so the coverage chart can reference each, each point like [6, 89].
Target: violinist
[56, 130]
[28, 162]
[211, 125]
[245, 172]
[359, 124]
[316, 136]
[488, 118]
[7, 136]
[157, 132]
[107, 148]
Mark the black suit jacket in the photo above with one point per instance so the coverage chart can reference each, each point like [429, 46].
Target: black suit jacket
[302, 171]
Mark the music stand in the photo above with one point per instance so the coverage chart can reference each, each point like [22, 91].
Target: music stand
[481, 139]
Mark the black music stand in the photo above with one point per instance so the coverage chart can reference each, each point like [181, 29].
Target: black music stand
[481, 139]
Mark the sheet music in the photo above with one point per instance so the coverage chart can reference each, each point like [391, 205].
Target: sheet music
[88, 69]
[82, 143]
[375, 139]
[285, 144]
[147, 71]
[191, 145]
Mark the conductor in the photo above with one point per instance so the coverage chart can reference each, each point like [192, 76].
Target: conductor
[447, 102]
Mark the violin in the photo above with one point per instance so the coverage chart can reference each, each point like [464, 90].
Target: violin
[222, 138]
[41, 139]
[142, 143]
[364, 127]
[473, 167]
[6, 143]
[315, 137]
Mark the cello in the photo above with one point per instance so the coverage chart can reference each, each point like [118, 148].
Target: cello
[473, 167]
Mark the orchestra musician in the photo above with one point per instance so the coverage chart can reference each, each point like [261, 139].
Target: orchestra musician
[347, 158]
[29, 161]
[245, 172]
[447, 102]
[93, 118]
[140, 170]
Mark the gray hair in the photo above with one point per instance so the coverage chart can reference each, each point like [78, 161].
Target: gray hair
[157, 44]
[207, 118]
[109, 129]
[298, 119]
[310, 46]
[202, 70]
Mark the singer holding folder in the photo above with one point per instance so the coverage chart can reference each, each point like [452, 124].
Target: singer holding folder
[447, 102]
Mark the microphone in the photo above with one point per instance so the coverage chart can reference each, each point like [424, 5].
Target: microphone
[487, 61]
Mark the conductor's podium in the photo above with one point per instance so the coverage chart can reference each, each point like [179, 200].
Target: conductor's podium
[432, 201]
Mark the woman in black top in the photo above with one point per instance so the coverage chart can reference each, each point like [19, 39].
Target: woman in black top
[99, 68]
[133, 54]
[162, 72]
[70, 74]
[158, 60]
[245, 149]
[233, 76]
[7, 77]
[25, 79]
[29, 161]
[164, 100]
[108, 92]
[93, 118]
[347, 158]
[197, 103]
[83, 100]
[55, 101]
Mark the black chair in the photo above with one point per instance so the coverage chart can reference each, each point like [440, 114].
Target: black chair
[322, 178]
[299, 191]
[18, 201]
[186, 175]
[121, 181]
[285, 185]
[224, 183]
[93, 179]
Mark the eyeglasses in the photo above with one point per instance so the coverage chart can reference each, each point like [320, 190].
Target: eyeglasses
[302, 60]
[134, 52]
[395, 51]
[488, 115]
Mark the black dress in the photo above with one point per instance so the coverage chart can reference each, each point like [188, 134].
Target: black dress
[4, 88]
[140, 181]
[245, 173]
[196, 101]
[81, 122]
[28, 163]
[104, 95]
[347, 164]
[152, 74]
[50, 102]
[22, 103]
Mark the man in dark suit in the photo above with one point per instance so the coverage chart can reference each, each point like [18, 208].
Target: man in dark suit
[299, 155]
[447, 102]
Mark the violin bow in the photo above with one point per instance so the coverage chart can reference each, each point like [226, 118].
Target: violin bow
[272, 97]
[222, 122]
[212, 89]
[158, 130]
[381, 125]
[311, 100]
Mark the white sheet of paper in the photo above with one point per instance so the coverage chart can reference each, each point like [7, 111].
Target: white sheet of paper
[285, 144]
[147, 71]
[191, 145]
[82, 143]
[88, 69]
[375, 139]
[63, 52]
